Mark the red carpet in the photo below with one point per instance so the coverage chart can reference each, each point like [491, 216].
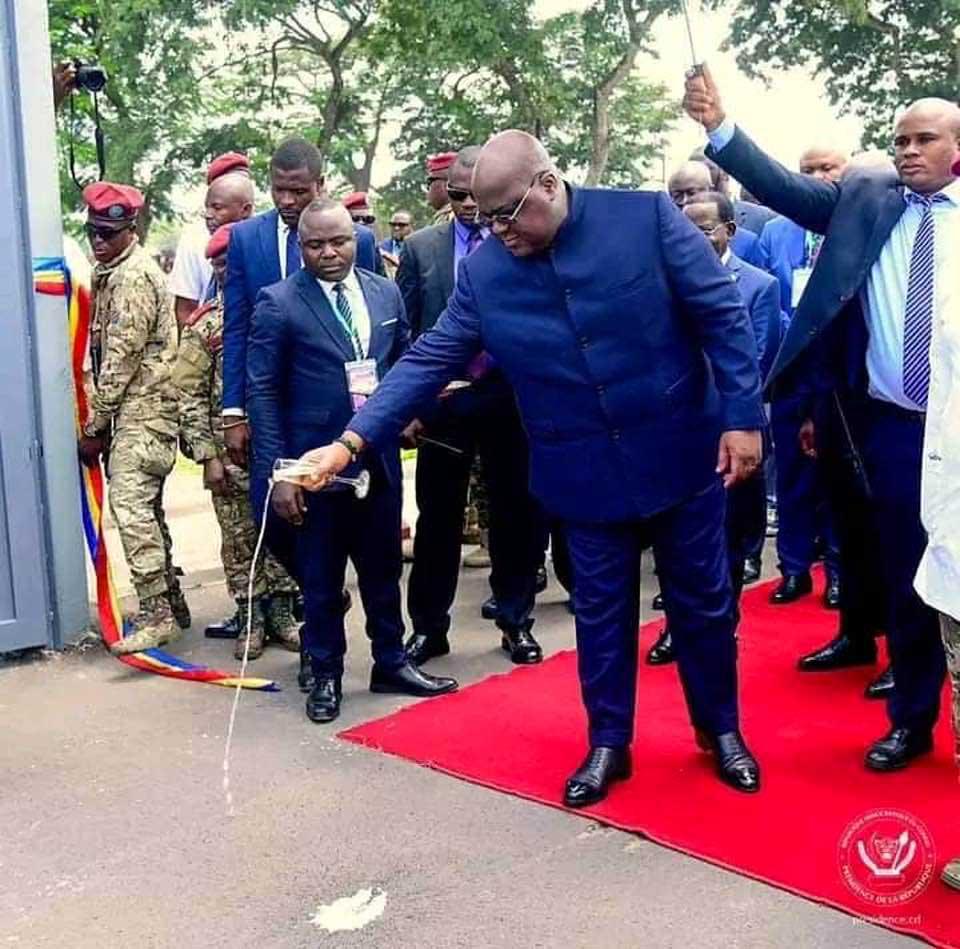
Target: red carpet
[523, 732]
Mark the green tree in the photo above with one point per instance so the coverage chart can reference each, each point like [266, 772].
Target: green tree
[872, 56]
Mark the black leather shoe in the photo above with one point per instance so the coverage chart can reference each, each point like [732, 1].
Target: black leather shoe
[305, 675]
[736, 766]
[661, 652]
[881, 687]
[489, 609]
[591, 781]
[792, 587]
[751, 569]
[657, 602]
[898, 748]
[409, 680]
[541, 584]
[831, 596]
[225, 629]
[523, 648]
[840, 653]
[420, 648]
[323, 702]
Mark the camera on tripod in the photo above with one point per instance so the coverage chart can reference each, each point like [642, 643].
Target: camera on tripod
[90, 76]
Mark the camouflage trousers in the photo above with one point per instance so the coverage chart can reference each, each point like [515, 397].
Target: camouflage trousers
[139, 462]
[950, 631]
[239, 540]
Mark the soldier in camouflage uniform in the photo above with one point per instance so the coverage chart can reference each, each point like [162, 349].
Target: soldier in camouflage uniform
[199, 381]
[133, 346]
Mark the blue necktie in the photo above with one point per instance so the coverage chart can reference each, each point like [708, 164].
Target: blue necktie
[918, 309]
[294, 263]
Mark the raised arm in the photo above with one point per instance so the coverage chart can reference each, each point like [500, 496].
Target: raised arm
[802, 198]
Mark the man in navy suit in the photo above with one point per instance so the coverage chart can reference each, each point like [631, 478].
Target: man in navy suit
[265, 250]
[860, 339]
[319, 340]
[636, 377]
[805, 512]
[713, 214]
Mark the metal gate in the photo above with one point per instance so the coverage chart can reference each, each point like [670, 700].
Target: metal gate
[25, 617]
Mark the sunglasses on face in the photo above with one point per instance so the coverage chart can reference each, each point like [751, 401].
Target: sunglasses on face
[506, 216]
[400, 224]
[458, 194]
[367, 219]
[104, 233]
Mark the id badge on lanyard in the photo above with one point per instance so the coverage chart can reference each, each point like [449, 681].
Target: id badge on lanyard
[362, 380]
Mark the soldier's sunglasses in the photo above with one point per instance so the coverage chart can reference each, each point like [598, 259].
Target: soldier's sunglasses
[458, 194]
[104, 233]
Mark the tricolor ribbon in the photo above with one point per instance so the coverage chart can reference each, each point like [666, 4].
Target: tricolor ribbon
[51, 276]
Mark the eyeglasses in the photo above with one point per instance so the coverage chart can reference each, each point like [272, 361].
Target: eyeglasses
[710, 231]
[104, 233]
[367, 219]
[506, 218]
[458, 194]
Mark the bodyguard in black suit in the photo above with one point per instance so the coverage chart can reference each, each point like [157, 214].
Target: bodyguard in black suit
[312, 338]
[479, 418]
[861, 336]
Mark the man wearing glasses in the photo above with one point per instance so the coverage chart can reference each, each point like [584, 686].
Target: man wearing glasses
[476, 415]
[635, 372]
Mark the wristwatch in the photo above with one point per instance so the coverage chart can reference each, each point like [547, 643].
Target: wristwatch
[350, 445]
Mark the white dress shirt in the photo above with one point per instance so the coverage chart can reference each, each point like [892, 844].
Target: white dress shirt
[358, 307]
[283, 235]
[938, 577]
[191, 274]
[884, 293]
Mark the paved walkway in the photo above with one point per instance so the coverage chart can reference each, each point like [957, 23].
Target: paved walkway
[114, 831]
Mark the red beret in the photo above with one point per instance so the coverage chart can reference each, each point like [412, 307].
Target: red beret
[219, 240]
[113, 203]
[231, 161]
[440, 162]
[356, 199]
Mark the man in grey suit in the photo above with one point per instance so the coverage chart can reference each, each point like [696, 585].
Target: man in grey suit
[475, 415]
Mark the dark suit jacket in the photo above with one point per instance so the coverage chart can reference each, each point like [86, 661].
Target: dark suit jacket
[297, 395]
[425, 275]
[784, 246]
[825, 346]
[754, 217]
[253, 262]
[746, 245]
[761, 297]
[628, 356]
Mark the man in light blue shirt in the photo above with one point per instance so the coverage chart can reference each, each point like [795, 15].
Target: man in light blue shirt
[860, 341]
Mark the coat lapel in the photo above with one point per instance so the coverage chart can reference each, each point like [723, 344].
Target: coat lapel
[378, 313]
[316, 300]
[269, 247]
[445, 258]
[890, 212]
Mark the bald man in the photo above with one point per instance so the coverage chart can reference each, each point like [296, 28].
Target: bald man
[859, 342]
[229, 199]
[568, 309]
[691, 181]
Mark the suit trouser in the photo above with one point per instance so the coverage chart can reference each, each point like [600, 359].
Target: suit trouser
[863, 604]
[891, 442]
[746, 514]
[690, 550]
[802, 506]
[280, 537]
[482, 419]
[338, 526]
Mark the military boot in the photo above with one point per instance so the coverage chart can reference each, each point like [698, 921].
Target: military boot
[153, 626]
[178, 603]
[250, 611]
[282, 625]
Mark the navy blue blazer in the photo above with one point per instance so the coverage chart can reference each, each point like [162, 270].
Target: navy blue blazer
[627, 345]
[784, 246]
[752, 216]
[761, 297]
[297, 396]
[253, 262]
[826, 343]
[746, 245]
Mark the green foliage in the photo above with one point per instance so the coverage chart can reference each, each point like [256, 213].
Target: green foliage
[872, 56]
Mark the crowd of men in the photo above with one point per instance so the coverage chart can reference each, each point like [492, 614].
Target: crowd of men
[809, 323]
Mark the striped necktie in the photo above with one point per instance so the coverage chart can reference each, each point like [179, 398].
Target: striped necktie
[346, 318]
[918, 309]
